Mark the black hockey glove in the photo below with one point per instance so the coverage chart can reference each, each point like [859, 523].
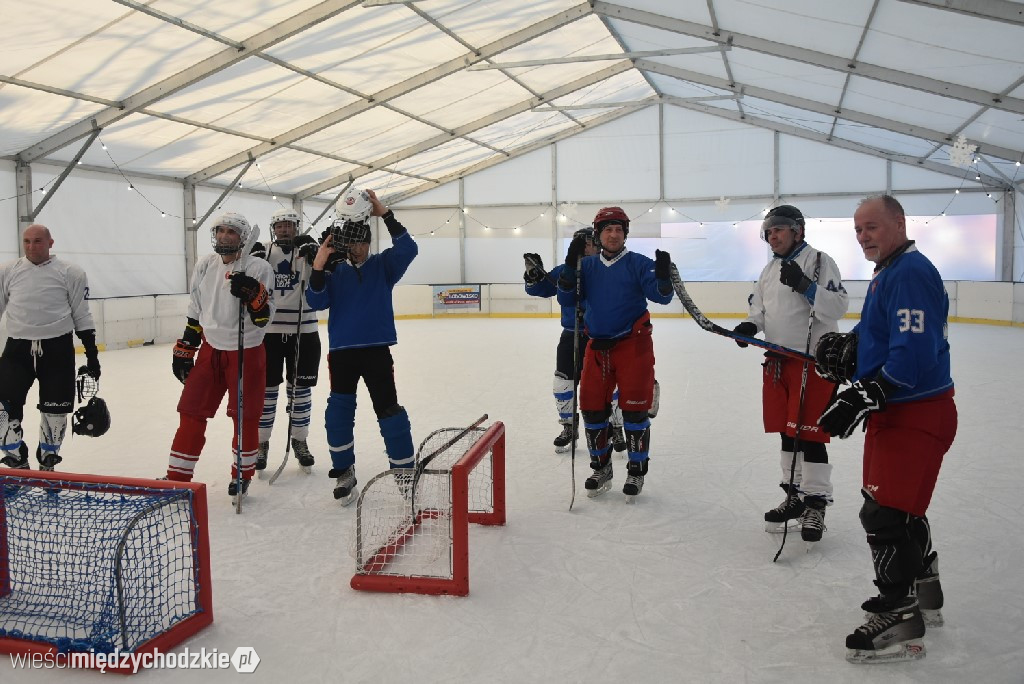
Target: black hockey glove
[851, 406]
[258, 250]
[792, 275]
[576, 250]
[184, 360]
[92, 354]
[248, 289]
[747, 329]
[534, 269]
[663, 271]
[308, 252]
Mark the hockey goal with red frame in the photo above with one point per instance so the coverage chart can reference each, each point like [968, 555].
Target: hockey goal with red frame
[412, 527]
[101, 564]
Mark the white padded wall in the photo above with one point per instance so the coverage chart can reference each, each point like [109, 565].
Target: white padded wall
[9, 236]
[810, 167]
[611, 163]
[121, 241]
[519, 180]
[708, 156]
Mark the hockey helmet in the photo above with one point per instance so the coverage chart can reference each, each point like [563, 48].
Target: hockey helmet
[835, 357]
[346, 232]
[235, 222]
[782, 215]
[610, 215]
[354, 206]
[91, 420]
[285, 216]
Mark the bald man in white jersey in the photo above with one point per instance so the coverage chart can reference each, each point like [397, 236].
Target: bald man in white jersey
[44, 299]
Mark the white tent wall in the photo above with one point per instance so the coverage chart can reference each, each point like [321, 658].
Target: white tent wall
[9, 237]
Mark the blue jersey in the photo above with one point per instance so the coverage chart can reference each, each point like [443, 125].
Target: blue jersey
[614, 293]
[547, 288]
[902, 329]
[359, 297]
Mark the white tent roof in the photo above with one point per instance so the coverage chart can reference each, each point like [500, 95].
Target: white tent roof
[408, 95]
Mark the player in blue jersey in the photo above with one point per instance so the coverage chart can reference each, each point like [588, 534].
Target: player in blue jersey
[541, 284]
[897, 358]
[614, 287]
[361, 330]
[798, 297]
[288, 340]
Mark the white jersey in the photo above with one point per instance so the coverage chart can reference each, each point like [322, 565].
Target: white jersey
[289, 271]
[216, 309]
[44, 301]
[782, 313]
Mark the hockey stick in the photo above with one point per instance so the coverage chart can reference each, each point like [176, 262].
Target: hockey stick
[423, 463]
[706, 323]
[799, 411]
[295, 372]
[239, 401]
[576, 380]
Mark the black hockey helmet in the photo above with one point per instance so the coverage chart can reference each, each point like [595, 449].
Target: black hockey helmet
[91, 420]
[835, 357]
[783, 215]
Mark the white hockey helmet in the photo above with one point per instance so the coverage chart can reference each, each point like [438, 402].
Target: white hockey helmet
[354, 206]
[285, 216]
[235, 222]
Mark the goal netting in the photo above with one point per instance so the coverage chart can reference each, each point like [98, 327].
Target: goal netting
[97, 564]
[412, 526]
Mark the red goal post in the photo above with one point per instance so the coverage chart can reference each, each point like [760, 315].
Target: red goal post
[452, 508]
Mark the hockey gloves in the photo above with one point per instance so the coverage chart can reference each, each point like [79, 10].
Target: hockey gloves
[92, 354]
[258, 250]
[308, 251]
[255, 296]
[663, 271]
[792, 275]
[576, 251]
[184, 360]
[747, 329]
[852, 405]
[534, 269]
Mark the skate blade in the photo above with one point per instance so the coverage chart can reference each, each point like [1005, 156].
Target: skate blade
[631, 499]
[933, 618]
[594, 493]
[346, 499]
[562, 450]
[908, 650]
[262, 474]
[234, 499]
[777, 528]
[306, 469]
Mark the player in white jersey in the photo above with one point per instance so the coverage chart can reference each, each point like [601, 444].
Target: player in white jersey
[45, 301]
[289, 341]
[219, 281]
[799, 283]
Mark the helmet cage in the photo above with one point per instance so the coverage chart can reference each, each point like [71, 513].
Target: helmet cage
[285, 215]
[235, 222]
[345, 232]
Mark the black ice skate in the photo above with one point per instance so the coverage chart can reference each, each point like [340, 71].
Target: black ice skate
[17, 460]
[791, 508]
[600, 481]
[261, 458]
[302, 455]
[892, 634]
[634, 479]
[233, 491]
[812, 521]
[618, 438]
[345, 485]
[563, 440]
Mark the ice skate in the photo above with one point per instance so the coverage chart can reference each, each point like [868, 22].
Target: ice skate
[233, 491]
[618, 438]
[47, 461]
[345, 485]
[261, 459]
[791, 508]
[302, 455]
[563, 440]
[812, 521]
[600, 481]
[929, 593]
[892, 634]
[634, 479]
[17, 460]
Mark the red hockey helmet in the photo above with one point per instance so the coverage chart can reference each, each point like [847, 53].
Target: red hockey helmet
[611, 215]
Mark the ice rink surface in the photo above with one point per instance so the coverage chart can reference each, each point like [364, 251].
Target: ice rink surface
[680, 587]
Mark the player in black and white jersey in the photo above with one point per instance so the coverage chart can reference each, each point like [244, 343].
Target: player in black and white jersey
[45, 301]
[288, 340]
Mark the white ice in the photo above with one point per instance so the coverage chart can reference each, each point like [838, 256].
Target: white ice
[680, 587]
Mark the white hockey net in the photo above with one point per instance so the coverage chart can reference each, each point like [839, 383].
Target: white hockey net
[411, 525]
